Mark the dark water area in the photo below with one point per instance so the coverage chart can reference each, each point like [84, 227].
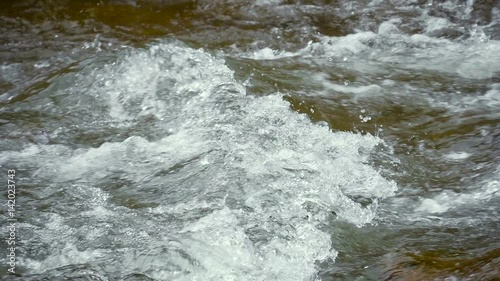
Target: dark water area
[251, 140]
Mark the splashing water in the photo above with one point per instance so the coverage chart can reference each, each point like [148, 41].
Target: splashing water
[238, 187]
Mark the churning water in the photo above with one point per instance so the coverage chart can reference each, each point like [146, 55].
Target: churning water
[252, 140]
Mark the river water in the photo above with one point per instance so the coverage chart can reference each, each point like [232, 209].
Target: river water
[252, 140]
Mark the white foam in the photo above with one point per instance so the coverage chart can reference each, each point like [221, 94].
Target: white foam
[369, 90]
[435, 24]
[233, 180]
[431, 206]
[268, 2]
[270, 54]
[483, 102]
[473, 59]
[486, 190]
[348, 45]
[460, 155]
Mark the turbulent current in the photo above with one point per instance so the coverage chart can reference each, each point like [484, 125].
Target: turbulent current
[250, 140]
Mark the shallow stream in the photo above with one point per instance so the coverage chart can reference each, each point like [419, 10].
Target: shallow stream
[252, 140]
